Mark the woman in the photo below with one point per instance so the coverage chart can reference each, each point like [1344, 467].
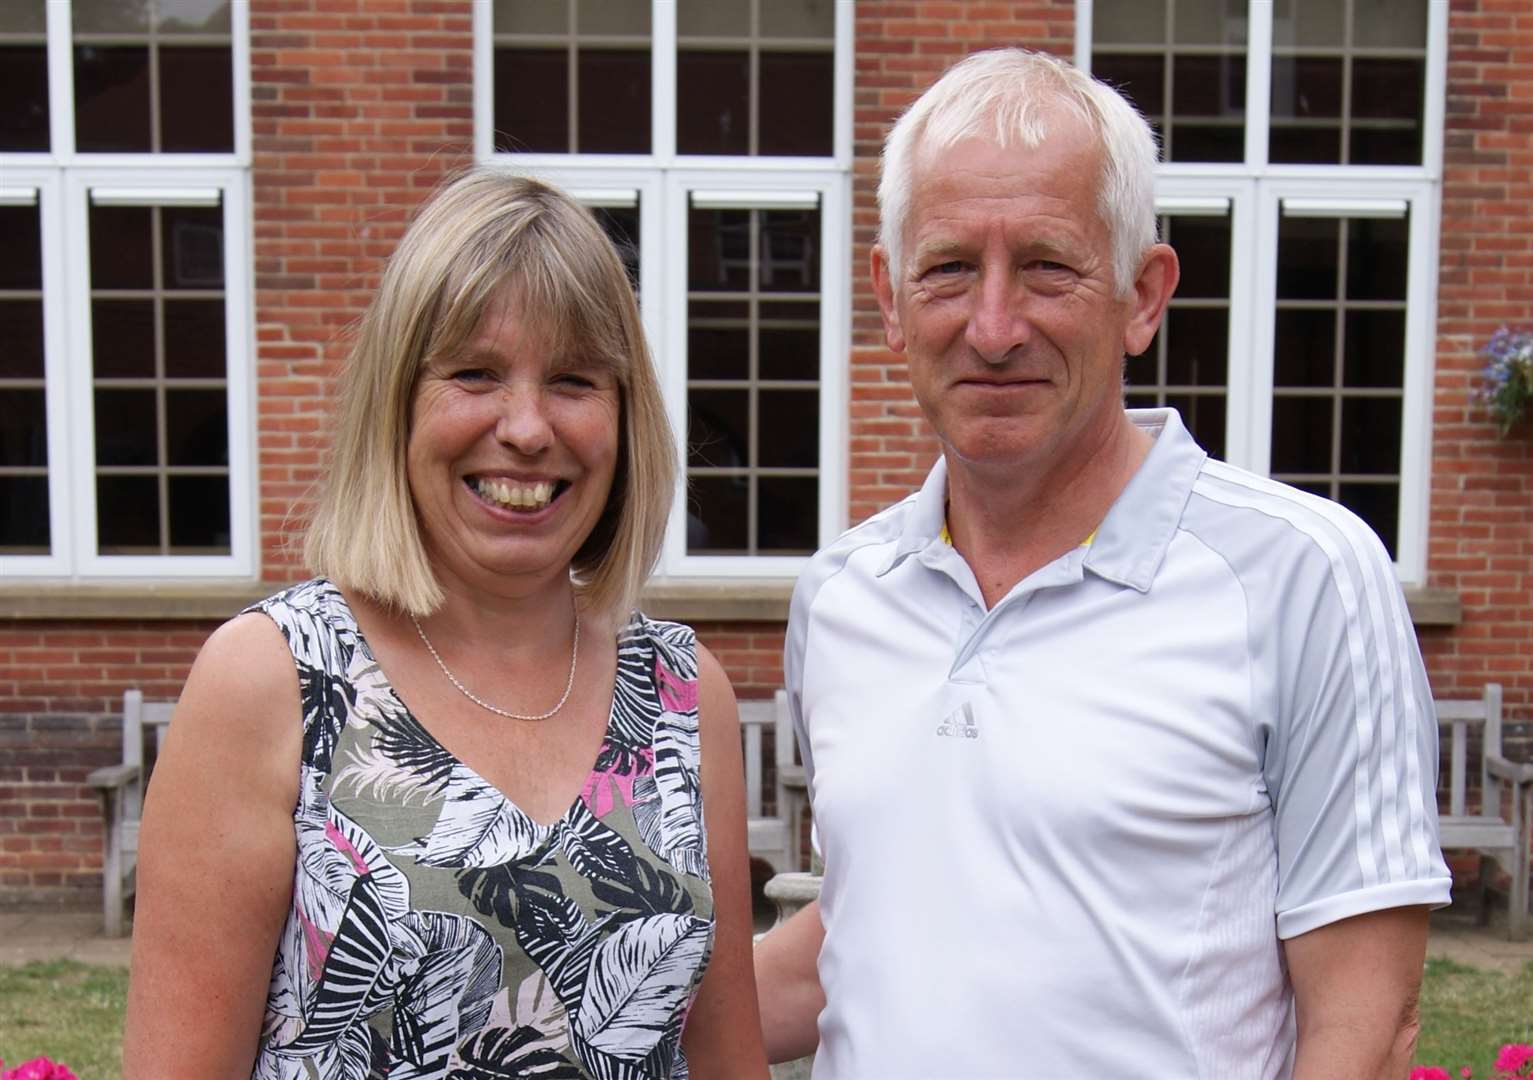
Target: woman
[376, 842]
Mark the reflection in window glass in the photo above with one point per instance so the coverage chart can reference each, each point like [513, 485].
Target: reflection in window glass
[755, 78]
[572, 76]
[753, 395]
[155, 78]
[159, 376]
[1348, 82]
[24, 525]
[1183, 64]
[1187, 365]
[1339, 361]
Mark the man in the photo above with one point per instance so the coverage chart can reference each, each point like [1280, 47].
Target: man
[1122, 760]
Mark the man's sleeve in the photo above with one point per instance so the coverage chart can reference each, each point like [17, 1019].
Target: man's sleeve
[1351, 756]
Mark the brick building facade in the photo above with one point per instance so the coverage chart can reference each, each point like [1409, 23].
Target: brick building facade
[348, 111]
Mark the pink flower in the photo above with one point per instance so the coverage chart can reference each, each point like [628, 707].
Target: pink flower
[1467, 1073]
[1513, 1057]
[38, 1069]
[1429, 1072]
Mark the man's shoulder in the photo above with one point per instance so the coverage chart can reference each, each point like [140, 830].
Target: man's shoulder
[880, 532]
[1253, 520]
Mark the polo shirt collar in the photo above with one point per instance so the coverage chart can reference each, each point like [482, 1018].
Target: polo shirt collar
[1131, 542]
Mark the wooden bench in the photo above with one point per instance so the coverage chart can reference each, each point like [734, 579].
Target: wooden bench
[122, 801]
[774, 838]
[1501, 834]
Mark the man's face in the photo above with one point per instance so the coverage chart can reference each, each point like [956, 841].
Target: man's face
[1005, 303]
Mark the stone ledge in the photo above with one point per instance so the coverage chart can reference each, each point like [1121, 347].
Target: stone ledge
[687, 599]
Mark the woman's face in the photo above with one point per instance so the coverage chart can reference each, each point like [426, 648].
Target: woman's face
[511, 453]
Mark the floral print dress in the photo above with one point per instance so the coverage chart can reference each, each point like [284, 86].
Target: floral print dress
[438, 931]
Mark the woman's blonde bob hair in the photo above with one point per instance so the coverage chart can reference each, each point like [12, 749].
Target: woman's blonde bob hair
[482, 232]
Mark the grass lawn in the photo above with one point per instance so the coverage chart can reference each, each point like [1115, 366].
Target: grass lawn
[73, 1013]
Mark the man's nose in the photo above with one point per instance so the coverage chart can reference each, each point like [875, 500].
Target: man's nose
[523, 423]
[997, 322]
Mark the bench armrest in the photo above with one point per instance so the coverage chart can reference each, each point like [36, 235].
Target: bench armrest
[112, 777]
[1503, 769]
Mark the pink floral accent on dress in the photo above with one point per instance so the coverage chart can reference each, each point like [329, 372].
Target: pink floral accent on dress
[676, 694]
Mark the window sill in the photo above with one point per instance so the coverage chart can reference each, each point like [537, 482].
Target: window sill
[685, 599]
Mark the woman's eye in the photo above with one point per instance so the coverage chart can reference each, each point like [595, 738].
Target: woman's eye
[574, 380]
[473, 376]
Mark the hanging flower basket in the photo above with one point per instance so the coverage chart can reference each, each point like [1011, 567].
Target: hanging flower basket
[1508, 377]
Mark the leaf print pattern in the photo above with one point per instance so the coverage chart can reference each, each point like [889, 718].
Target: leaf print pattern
[603, 938]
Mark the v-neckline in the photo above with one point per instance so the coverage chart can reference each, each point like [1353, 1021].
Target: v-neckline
[542, 828]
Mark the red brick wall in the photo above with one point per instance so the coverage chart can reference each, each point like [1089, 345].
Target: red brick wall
[1481, 540]
[358, 109]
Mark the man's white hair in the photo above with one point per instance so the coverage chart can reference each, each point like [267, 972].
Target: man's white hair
[1009, 96]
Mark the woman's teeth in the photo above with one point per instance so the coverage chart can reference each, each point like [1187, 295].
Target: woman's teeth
[517, 496]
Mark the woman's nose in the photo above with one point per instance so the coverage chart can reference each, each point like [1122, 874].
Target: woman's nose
[523, 424]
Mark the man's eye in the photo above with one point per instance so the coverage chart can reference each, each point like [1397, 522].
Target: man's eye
[952, 266]
[1048, 266]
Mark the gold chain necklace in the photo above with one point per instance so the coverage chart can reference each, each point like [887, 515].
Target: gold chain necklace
[483, 704]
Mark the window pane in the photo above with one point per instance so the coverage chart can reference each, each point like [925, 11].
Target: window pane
[121, 247]
[1309, 22]
[1379, 506]
[787, 522]
[1377, 258]
[799, 18]
[712, 102]
[194, 16]
[789, 349]
[196, 427]
[1211, 22]
[790, 250]
[713, 18]
[193, 247]
[1208, 105]
[1370, 435]
[532, 100]
[21, 250]
[621, 224]
[616, 17]
[1308, 256]
[111, 16]
[194, 339]
[24, 527]
[719, 249]
[112, 98]
[1389, 24]
[196, 99]
[1301, 434]
[790, 428]
[21, 339]
[24, 434]
[1140, 78]
[717, 515]
[797, 99]
[122, 338]
[199, 515]
[24, 89]
[717, 352]
[532, 16]
[1204, 416]
[1203, 247]
[1375, 348]
[718, 428]
[614, 101]
[1304, 347]
[128, 515]
[126, 427]
[1197, 346]
[1129, 22]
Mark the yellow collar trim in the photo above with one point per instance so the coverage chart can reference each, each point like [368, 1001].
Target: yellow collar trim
[947, 537]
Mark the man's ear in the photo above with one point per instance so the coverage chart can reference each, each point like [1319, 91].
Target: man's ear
[1159, 271]
[883, 287]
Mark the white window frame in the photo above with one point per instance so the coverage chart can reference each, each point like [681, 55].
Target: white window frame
[63, 179]
[663, 180]
[1256, 189]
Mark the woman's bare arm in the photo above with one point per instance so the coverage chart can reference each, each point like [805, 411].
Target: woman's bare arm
[216, 858]
[723, 1033]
